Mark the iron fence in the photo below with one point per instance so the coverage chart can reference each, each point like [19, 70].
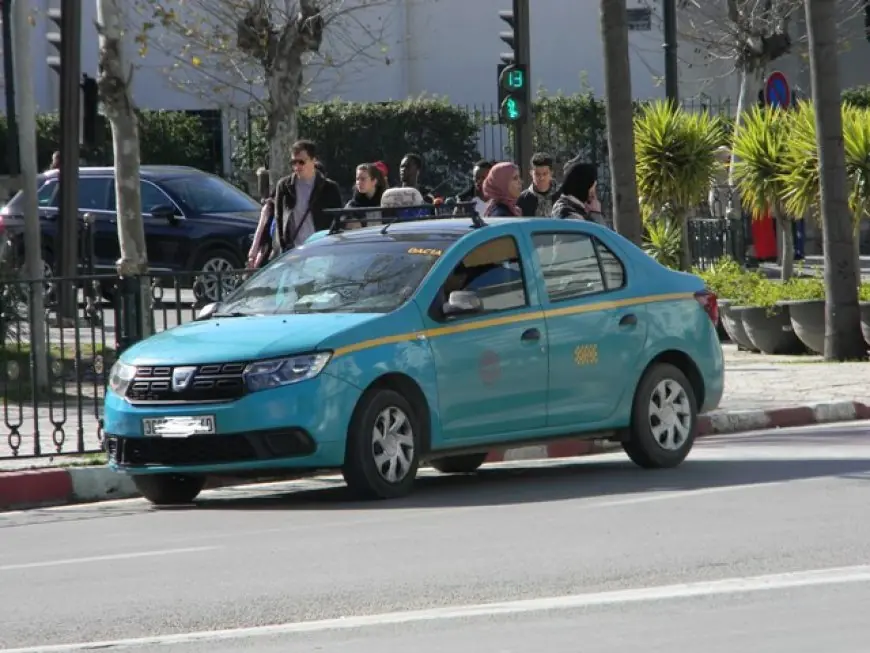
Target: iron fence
[61, 413]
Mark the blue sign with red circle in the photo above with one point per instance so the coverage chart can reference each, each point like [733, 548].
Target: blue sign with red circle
[777, 92]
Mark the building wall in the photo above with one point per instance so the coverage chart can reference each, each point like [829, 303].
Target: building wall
[450, 48]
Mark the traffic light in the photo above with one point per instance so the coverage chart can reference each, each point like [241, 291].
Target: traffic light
[55, 38]
[513, 80]
[513, 70]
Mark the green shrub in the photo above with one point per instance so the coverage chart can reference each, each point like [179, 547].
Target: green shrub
[731, 282]
[350, 133]
[165, 138]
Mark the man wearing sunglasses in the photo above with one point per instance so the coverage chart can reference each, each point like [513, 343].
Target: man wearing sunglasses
[301, 198]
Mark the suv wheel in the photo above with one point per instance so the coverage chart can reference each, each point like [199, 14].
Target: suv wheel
[218, 275]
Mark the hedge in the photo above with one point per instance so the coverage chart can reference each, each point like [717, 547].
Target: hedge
[165, 137]
[350, 133]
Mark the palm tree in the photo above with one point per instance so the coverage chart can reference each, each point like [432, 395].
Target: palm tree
[617, 79]
[761, 149]
[676, 162]
[856, 139]
[843, 339]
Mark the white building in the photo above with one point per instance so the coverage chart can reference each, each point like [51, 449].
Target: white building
[450, 48]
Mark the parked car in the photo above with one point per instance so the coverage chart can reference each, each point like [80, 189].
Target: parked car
[194, 221]
[373, 350]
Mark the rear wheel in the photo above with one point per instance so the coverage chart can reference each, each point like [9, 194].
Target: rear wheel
[169, 489]
[383, 446]
[664, 420]
[464, 464]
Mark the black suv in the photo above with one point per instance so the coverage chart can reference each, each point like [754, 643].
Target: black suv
[194, 221]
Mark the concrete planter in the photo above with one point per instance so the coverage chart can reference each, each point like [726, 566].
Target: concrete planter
[729, 316]
[865, 321]
[770, 330]
[808, 321]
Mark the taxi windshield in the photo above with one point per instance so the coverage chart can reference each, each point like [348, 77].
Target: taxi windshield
[342, 277]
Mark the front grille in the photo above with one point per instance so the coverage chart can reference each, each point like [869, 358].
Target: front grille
[209, 449]
[213, 382]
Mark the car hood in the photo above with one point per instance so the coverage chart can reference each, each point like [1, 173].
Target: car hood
[220, 340]
[243, 218]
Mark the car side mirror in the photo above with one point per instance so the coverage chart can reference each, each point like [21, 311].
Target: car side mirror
[463, 302]
[206, 312]
[165, 212]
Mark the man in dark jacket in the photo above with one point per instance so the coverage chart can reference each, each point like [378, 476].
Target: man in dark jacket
[474, 193]
[537, 200]
[301, 199]
[410, 169]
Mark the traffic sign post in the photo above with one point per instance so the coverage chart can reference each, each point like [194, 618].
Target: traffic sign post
[777, 92]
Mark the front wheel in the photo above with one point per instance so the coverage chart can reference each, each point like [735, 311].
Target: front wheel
[463, 464]
[217, 275]
[664, 419]
[383, 447]
[169, 489]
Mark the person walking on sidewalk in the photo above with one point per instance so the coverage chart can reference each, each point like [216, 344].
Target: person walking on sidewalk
[538, 199]
[578, 199]
[302, 198]
[502, 188]
[474, 193]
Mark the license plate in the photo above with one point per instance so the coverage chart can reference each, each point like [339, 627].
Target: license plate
[178, 427]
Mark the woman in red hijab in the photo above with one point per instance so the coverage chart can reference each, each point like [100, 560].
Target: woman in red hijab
[502, 188]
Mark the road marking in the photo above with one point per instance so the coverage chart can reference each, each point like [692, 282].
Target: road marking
[727, 586]
[116, 556]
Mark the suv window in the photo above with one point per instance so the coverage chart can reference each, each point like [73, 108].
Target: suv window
[95, 193]
[151, 196]
[493, 270]
[46, 194]
[575, 265]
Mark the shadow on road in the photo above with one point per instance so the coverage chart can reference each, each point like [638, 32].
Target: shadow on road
[535, 483]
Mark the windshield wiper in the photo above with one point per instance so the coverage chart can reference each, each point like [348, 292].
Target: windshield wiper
[230, 314]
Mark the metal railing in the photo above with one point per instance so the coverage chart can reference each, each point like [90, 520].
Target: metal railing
[61, 414]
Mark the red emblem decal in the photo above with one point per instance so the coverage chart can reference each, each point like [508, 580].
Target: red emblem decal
[489, 367]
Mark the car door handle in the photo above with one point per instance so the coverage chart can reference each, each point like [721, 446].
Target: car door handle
[628, 320]
[531, 335]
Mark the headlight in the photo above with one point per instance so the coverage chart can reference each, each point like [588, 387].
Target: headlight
[120, 377]
[263, 375]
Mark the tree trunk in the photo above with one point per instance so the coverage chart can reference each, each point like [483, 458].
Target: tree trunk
[843, 339]
[119, 109]
[786, 245]
[620, 120]
[685, 248]
[856, 235]
[283, 85]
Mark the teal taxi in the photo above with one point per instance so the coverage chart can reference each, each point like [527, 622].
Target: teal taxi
[434, 340]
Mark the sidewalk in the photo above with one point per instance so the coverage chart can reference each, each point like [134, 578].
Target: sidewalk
[760, 392]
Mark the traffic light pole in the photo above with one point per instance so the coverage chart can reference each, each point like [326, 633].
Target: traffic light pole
[26, 108]
[70, 125]
[523, 128]
[12, 163]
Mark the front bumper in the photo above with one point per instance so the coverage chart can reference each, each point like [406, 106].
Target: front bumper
[303, 426]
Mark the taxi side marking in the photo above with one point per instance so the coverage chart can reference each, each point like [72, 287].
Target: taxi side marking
[510, 319]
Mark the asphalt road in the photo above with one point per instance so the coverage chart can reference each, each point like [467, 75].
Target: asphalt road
[757, 543]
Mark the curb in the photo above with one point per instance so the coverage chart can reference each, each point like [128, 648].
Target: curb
[22, 490]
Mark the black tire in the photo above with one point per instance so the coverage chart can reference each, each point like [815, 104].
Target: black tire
[169, 489]
[464, 464]
[202, 291]
[643, 446]
[364, 477]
